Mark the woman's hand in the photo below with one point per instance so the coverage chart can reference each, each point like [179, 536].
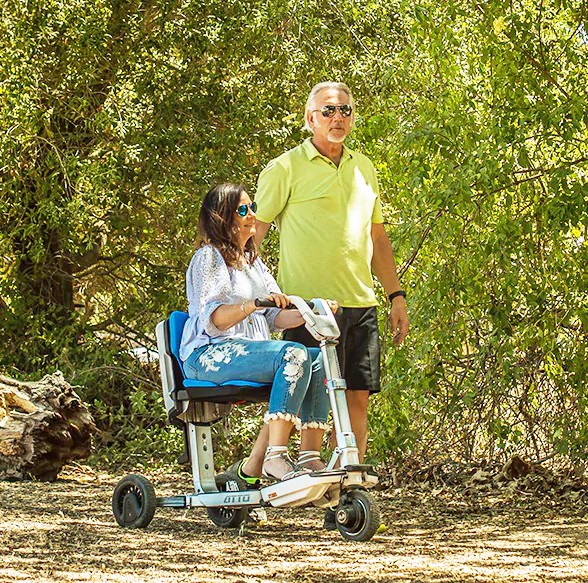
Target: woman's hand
[334, 305]
[282, 300]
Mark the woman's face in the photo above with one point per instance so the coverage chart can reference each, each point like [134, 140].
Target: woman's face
[246, 224]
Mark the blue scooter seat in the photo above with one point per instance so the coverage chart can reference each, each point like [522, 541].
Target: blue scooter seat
[185, 389]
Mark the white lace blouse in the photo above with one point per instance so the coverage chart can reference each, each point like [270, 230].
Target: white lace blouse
[210, 282]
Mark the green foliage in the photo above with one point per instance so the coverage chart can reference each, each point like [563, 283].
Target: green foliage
[117, 116]
[491, 150]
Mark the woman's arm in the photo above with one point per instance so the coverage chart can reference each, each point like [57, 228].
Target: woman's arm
[227, 315]
[288, 319]
[209, 290]
[293, 318]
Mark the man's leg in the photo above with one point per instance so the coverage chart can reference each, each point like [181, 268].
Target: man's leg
[362, 371]
[357, 402]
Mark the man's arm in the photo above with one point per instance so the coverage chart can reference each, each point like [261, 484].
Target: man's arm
[384, 268]
[261, 230]
[271, 196]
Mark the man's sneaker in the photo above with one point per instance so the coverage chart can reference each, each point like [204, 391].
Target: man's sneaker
[330, 522]
[237, 468]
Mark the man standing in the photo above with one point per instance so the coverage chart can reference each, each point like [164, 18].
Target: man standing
[325, 200]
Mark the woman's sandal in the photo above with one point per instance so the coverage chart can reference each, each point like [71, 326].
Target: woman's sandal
[309, 456]
[281, 452]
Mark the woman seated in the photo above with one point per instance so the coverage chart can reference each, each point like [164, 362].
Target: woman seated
[228, 338]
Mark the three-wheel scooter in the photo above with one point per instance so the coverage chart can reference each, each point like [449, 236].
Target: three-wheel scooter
[196, 405]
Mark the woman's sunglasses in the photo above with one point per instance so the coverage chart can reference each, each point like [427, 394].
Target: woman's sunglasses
[243, 209]
[329, 110]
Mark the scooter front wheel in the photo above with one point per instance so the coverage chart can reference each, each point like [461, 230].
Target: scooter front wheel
[357, 515]
[228, 516]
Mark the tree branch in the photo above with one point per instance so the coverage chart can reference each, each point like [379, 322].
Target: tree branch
[403, 269]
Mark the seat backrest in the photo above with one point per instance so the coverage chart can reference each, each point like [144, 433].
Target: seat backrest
[177, 321]
[169, 337]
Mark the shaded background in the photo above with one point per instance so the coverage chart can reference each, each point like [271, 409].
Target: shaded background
[117, 116]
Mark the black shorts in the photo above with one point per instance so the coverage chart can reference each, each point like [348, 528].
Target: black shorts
[358, 349]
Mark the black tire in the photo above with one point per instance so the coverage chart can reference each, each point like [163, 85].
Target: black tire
[134, 502]
[228, 516]
[357, 515]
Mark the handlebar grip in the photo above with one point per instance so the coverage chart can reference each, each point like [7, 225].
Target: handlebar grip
[264, 303]
[267, 303]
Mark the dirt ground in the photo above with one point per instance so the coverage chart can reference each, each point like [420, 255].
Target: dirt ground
[64, 531]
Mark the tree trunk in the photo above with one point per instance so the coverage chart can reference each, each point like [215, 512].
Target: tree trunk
[43, 426]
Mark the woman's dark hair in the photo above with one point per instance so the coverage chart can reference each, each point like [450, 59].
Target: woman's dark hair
[217, 223]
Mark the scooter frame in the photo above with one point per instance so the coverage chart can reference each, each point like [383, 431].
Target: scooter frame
[357, 515]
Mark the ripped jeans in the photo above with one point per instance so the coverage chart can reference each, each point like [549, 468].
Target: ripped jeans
[296, 373]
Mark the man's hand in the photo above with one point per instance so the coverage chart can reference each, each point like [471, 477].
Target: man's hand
[398, 320]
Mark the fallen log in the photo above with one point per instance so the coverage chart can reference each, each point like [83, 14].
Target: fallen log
[44, 425]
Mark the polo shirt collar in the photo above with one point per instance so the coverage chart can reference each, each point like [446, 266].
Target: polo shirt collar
[311, 152]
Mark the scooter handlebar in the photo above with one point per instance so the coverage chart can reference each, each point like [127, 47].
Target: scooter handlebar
[317, 314]
[268, 303]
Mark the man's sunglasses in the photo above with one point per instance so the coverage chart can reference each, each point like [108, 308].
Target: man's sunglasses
[243, 209]
[329, 110]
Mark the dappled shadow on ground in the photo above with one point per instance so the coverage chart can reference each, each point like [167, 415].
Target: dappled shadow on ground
[64, 531]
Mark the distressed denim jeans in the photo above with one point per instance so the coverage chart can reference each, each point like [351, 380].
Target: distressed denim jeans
[295, 372]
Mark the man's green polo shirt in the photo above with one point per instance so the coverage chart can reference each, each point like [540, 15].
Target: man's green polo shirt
[324, 214]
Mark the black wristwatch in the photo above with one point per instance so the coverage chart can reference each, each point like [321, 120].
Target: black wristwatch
[395, 294]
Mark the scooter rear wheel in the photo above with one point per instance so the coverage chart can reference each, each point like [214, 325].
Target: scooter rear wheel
[134, 502]
[357, 515]
[228, 516]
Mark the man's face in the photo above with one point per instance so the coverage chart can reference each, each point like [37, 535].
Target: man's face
[331, 129]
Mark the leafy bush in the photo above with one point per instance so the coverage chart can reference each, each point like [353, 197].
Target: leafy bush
[117, 117]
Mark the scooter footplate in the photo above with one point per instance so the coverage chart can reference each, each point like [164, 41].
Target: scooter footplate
[302, 489]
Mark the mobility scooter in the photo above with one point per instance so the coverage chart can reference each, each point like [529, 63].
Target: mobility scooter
[195, 405]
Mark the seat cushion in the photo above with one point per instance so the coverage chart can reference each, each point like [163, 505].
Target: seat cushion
[229, 392]
[206, 384]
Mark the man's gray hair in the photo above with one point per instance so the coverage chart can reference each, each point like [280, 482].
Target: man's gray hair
[310, 102]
